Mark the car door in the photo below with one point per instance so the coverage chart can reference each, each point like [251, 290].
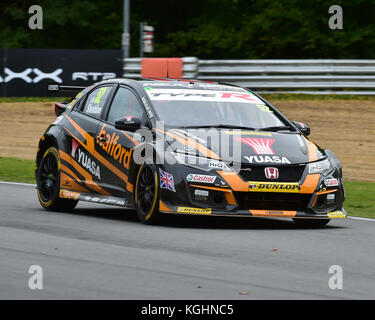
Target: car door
[117, 146]
[85, 169]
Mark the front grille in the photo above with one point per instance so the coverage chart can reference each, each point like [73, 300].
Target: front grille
[272, 201]
[292, 173]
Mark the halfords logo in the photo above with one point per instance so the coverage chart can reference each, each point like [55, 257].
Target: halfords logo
[274, 187]
[113, 148]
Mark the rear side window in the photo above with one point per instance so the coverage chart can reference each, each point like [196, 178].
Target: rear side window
[96, 100]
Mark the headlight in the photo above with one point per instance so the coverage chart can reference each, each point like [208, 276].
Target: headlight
[200, 162]
[324, 167]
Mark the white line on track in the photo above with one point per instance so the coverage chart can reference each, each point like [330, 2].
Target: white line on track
[18, 183]
[359, 218]
[34, 185]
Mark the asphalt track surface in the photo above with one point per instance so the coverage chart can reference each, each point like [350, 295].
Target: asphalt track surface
[101, 252]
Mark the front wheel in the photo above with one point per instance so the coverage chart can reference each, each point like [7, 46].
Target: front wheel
[311, 223]
[48, 183]
[146, 195]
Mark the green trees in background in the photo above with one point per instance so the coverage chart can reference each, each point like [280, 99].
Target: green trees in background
[236, 29]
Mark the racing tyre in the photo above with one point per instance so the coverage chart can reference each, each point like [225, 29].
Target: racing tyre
[146, 195]
[48, 183]
[311, 223]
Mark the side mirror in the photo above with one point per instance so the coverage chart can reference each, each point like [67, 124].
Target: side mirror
[128, 124]
[304, 128]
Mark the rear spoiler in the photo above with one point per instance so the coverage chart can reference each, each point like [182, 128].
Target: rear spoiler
[60, 107]
[55, 87]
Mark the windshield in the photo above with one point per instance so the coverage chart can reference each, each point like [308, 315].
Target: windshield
[190, 107]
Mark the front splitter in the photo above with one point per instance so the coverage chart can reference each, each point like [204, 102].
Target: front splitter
[251, 213]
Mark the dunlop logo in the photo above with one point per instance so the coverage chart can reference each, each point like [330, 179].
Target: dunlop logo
[194, 210]
[274, 187]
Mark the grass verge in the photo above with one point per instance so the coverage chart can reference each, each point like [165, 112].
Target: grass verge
[359, 195]
[17, 170]
[32, 99]
[360, 199]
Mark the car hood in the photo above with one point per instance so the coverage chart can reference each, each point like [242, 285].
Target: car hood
[256, 147]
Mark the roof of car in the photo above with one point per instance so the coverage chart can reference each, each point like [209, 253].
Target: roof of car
[182, 83]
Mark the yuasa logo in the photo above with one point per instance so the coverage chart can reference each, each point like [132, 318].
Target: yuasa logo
[260, 146]
[25, 75]
[271, 173]
[267, 159]
[88, 164]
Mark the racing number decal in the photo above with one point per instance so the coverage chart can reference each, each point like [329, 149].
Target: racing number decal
[101, 93]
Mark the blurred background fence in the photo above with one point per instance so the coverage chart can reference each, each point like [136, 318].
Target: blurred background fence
[26, 72]
[298, 76]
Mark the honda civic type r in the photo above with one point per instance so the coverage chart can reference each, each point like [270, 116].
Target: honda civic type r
[134, 144]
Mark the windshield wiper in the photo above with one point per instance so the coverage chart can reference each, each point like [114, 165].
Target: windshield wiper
[224, 126]
[276, 128]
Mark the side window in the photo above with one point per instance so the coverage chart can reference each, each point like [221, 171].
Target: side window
[96, 100]
[125, 104]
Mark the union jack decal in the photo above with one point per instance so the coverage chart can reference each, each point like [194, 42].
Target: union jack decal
[260, 146]
[166, 181]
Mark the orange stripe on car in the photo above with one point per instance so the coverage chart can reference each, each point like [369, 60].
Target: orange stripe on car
[234, 181]
[88, 178]
[311, 149]
[211, 188]
[130, 138]
[83, 133]
[163, 207]
[273, 213]
[70, 184]
[310, 183]
[186, 141]
[230, 198]
[198, 146]
[70, 172]
[110, 166]
[325, 192]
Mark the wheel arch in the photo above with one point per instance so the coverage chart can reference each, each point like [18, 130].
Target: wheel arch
[51, 138]
[137, 167]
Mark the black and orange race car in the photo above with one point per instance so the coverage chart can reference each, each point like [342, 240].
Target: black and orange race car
[166, 146]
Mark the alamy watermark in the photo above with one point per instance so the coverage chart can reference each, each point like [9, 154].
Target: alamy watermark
[336, 20]
[36, 280]
[190, 147]
[36, 20]
[336, 281]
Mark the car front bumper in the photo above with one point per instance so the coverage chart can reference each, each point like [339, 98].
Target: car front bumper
[183, 210]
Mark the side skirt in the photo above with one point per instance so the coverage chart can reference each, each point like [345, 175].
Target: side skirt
[103, 199]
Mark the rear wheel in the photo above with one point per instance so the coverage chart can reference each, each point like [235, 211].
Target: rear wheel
[48, 183]
[311, 223]
[147, 194]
